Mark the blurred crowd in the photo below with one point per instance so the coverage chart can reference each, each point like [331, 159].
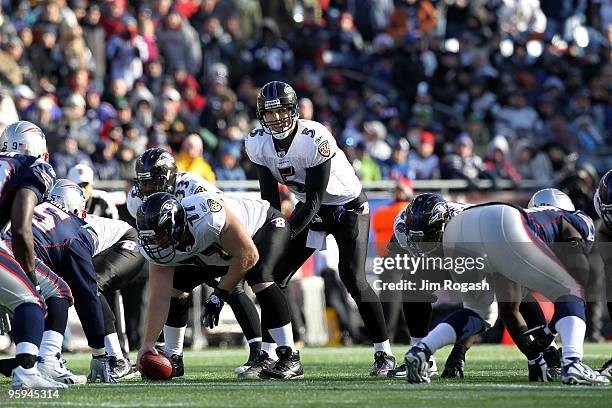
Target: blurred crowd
[416, 89]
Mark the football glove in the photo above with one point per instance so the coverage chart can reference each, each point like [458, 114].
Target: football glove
[212, 308]
[538, 370]
[455, 363]
[100, 368]
[537, 340]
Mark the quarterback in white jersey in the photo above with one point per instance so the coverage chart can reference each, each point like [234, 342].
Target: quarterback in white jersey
[211, 235]
[303, 155]
[311, 146]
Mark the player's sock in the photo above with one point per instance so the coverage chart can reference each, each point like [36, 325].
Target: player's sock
[569, 321]
[275, 315]
[174, 337]
[270, 349]
[283, 336]
[112, 345]
[383, 346]
[51, 344]
[176, 324]
[572, 330]
[29, 322]
[55, 326]
[442, 335]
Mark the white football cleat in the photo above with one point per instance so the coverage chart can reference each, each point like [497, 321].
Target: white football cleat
[417, 364]
[32, 378]
[56, 369]
[432, 371]
[578, 373]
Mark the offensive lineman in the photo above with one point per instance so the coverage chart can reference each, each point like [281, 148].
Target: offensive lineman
[156, 171]
[519, 247]
[303, 155]
[210, 235]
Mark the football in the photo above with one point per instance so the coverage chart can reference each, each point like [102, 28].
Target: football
[156, 367]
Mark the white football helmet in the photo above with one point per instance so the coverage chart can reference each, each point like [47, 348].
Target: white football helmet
[552, 197]
[69, 196]
[26, 138]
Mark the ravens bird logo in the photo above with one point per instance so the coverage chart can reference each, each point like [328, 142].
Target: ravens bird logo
[324, 149]
[214, 206]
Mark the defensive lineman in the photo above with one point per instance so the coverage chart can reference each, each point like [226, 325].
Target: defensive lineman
[517, 244]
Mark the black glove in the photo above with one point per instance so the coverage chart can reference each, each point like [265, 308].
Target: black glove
[455, 363]
[537, 340]
[538, 370]
[213, 306]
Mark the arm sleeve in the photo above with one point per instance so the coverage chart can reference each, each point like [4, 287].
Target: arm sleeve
[81, 277]
[268, 186]
[316, 183]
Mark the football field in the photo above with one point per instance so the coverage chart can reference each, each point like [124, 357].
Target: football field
[335, 377]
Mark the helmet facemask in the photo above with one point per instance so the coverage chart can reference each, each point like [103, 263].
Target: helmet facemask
[287, 119]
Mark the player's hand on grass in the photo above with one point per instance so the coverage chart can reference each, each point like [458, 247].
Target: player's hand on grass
[144, 349]
[100, 368]
[538, 370]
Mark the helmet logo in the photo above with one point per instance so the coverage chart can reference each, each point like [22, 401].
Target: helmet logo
[214, 206]
[166, 213]
[437, 214]
[165, 160]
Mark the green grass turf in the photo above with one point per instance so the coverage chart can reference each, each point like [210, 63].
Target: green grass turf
[337, 377]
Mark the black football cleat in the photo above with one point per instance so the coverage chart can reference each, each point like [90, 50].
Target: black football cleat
[254, 368]
[383, 364]
[606, 369]
[553, 358]
[178, 368]
[288, 366]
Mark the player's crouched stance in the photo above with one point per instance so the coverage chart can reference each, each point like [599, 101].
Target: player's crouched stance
[209, 235]
[518, 245]
[25, 303]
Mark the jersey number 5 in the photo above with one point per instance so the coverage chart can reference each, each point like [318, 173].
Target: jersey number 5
[287, 172]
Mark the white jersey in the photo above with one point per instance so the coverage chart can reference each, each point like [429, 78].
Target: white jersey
[187, 184]
[399, 227]
[109, 231]
[311, 146]
[205, 220]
